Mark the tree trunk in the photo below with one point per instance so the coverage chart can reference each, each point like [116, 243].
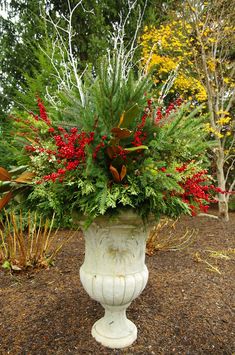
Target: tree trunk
[223, 203]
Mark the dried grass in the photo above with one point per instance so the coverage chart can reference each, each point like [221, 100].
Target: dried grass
[211, 258]
[165, 237]
[30, 243]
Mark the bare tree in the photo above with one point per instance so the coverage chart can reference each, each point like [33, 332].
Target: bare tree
[66, 70]
[67, 67]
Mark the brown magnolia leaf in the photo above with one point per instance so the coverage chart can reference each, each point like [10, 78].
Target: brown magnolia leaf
[115, 173]
[123, 172]
[4, 175]
[5, 199]
[25, 177]
[121, 132]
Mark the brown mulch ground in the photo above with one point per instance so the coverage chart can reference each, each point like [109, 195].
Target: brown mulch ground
[185, 308]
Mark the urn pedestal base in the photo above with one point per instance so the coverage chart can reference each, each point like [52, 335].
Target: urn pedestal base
[114, 330]
[114, 273]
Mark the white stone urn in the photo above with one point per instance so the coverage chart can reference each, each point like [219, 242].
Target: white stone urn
[114, 273]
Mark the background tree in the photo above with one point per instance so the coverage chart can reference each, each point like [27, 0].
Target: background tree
[20, 37]
[92, 23]
[213, 27]
[19, 61]
[199, 45]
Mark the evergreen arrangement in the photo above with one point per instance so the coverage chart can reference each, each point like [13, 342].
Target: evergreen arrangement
[125, 151]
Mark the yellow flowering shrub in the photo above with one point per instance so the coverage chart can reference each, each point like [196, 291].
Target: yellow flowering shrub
[172, 47]
[223, 120]
[188, 86]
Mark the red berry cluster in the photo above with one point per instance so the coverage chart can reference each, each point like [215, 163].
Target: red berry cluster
[139, 135]
[30, 148]
[158, 115]
[182, 168]
[121, 152]
[70, 146]
[99, 146]
[70, 151]
[172, 106]
[197, 193]
[42, 111]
